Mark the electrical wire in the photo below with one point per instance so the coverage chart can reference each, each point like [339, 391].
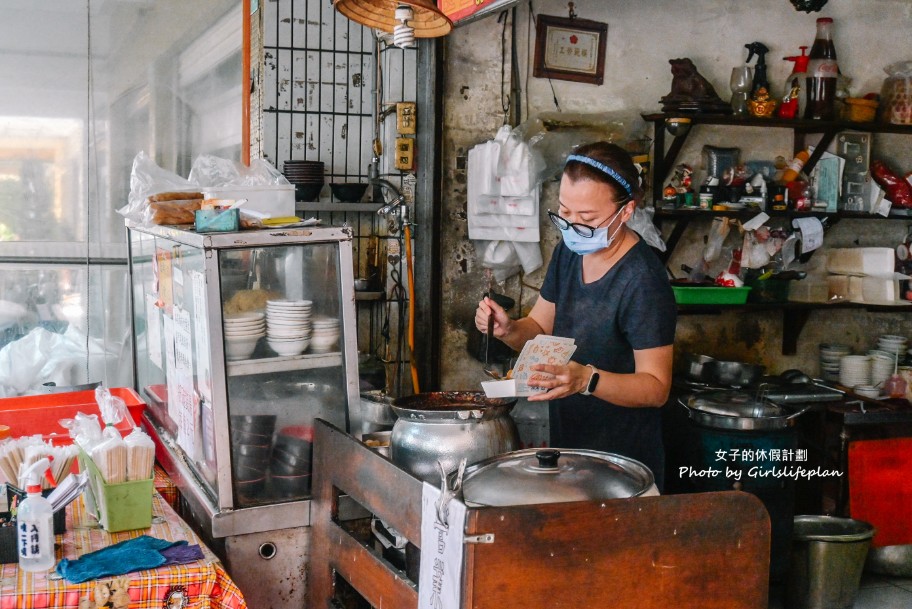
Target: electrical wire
[550, 82]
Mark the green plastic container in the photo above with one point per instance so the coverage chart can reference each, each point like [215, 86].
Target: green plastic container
[118, 507]
[715, 295]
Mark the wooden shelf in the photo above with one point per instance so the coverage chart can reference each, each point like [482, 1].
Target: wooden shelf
[794, 314]
[336, 206]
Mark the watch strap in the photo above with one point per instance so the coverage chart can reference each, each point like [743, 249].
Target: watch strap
[592, 383]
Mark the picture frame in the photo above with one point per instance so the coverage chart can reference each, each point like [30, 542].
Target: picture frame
[570, 49]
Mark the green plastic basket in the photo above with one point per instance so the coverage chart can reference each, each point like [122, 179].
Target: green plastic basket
[118, 507]
[705, 295]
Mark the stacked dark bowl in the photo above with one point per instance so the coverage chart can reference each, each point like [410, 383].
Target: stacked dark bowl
[307, 176]
[251, 446]
[290, 464]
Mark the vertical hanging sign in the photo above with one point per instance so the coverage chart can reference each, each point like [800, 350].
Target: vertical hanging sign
[440, 575]
[186, 399]
[201, 324]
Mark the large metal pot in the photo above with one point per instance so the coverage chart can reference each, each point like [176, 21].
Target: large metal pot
[737, 410]
[448, 426]
[535, 475]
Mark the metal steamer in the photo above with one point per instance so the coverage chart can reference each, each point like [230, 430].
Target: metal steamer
[735, 434]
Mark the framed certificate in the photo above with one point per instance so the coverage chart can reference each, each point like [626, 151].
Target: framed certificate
[570, 49]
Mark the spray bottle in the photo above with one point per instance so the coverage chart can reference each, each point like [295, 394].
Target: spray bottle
[760, 81]
[34, 522]
[794, 98]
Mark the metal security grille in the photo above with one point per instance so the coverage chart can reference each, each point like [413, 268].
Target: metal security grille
[329, 93]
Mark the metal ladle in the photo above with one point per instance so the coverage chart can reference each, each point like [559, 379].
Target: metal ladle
[488, 369]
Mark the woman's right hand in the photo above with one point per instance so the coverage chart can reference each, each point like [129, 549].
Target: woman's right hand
[487, 308]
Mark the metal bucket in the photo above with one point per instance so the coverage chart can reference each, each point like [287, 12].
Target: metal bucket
[828, 555]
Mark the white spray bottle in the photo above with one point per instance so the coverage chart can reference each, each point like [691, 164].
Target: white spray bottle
[35, 522]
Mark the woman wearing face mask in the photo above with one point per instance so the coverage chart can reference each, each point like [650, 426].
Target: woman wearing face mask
[606, 289]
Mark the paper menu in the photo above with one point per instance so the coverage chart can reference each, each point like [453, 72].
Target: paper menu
[543, 349]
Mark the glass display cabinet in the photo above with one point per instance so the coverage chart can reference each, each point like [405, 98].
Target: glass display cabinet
[242, 340]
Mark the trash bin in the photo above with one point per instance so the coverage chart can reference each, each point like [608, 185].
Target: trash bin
[828, 555]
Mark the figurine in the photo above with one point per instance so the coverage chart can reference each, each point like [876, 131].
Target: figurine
[690, 91]
[684, 175]
[762, 105]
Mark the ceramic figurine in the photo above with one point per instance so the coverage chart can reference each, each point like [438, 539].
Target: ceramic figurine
[761, 104]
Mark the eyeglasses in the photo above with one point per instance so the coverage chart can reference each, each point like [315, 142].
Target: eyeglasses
[583, 230]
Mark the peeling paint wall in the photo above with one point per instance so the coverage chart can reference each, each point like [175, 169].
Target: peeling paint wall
[642, 37]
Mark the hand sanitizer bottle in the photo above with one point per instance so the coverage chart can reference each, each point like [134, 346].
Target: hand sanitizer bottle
[35, 523]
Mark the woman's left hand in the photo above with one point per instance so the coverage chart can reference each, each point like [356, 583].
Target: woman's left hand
[567, 380]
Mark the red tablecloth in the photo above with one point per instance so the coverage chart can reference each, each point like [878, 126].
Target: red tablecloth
[204, 582]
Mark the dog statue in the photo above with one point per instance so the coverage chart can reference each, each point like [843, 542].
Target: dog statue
[690, 91]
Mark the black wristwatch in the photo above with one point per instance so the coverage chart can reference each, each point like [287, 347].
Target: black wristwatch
[593, 381]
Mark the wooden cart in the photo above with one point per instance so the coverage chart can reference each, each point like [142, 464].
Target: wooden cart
[706, 550]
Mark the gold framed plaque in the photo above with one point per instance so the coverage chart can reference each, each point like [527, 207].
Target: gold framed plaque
[570, 49]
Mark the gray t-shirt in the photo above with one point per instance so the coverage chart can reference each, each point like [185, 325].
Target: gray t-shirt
[631, 307]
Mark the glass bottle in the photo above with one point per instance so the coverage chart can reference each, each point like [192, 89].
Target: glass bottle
[822, 73]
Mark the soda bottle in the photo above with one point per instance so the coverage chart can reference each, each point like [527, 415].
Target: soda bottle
[822, 72]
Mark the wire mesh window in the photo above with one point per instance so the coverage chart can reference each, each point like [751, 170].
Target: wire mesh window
[329, 93]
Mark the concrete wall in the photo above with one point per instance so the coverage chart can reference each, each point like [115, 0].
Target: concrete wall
[642, 36]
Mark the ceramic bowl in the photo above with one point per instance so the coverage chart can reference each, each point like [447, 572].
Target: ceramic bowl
[288, 347]
[240, 347]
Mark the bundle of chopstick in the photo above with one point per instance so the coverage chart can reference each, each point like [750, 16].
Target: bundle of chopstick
[17, 454]
[124, 459]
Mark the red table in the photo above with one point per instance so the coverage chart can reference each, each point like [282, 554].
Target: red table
[204, 583]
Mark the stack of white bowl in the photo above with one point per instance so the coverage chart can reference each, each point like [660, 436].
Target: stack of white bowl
[882, 366]
[325, 334]
[855, 370]
[893, 344]
[242, 333]
[830, 354]
[288, 326]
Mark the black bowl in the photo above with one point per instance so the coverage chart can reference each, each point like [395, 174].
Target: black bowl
[294, 447]
[252, 451]
[291, 486]
[260, 424]
[281, 468]
[307, 192]
[248, 437]
[348, 193]
[295, 458]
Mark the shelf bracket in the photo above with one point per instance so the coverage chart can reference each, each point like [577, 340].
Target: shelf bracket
[672, 242]
[793, 321]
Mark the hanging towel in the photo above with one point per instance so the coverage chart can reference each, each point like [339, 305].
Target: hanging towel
[136, 554]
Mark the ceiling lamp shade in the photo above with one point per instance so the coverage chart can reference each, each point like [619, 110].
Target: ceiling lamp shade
[427, 20]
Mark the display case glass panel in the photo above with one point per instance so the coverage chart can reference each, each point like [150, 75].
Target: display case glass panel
[239, 349]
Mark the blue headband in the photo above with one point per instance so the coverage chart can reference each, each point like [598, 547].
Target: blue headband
[604, 169]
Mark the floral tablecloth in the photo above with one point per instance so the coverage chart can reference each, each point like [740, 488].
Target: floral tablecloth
[201, 584]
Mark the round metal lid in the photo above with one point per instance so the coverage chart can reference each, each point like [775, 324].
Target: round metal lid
[531, 476]
[735, 404]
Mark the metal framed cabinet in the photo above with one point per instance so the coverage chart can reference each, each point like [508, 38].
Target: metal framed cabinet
[232, 410]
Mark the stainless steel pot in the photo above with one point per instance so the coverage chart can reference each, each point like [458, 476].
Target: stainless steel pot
[536, 475]
[731, 374]
[449, 426]
[738, 410]
[693, 366]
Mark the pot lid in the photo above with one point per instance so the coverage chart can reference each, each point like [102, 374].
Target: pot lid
[735, 404]
[531, 476]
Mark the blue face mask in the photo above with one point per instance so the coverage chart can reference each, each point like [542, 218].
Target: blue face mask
[598, 241]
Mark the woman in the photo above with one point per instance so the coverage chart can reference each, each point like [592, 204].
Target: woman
[606, 289]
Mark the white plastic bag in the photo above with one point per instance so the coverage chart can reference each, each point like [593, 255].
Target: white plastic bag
[147, 178]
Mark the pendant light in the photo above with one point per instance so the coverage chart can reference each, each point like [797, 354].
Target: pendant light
[405, 19]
